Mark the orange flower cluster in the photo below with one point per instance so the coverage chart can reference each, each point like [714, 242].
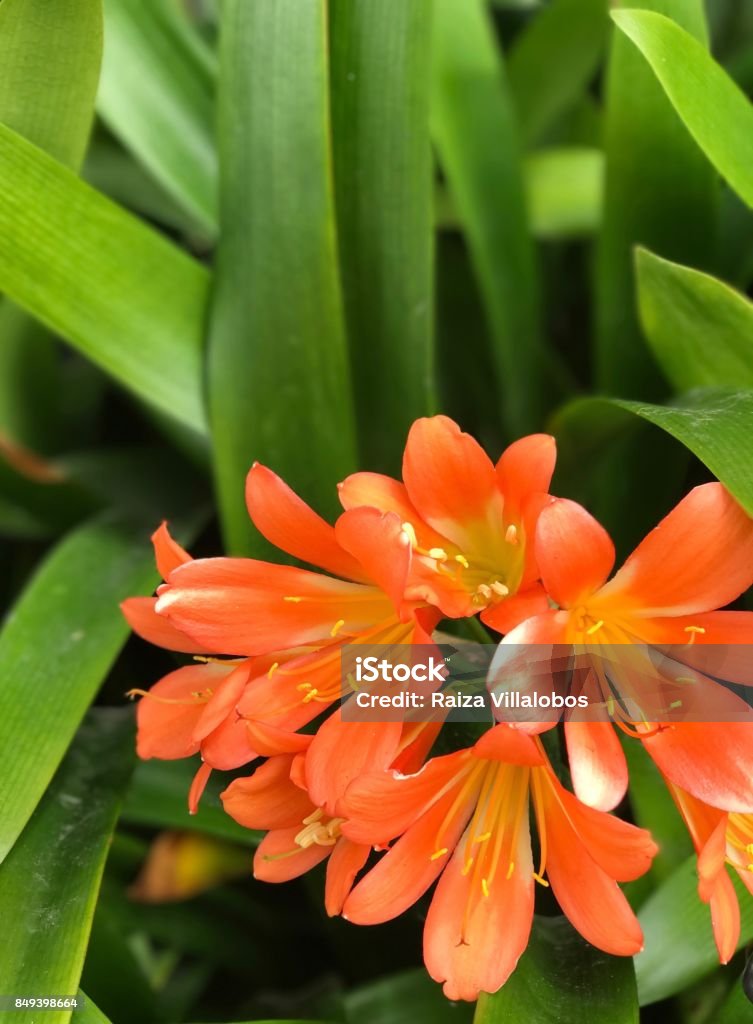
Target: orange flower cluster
[457, 537]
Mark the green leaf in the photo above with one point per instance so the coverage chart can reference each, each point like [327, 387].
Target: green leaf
[90, 1013]
[279, 389]
[477, 139]
[560, 977]
[715, 424]
[736, 1008]
[713, 109]
[158, 797]
[50, 880]
[55, 649]
[120, 293]
[679, 944]
[403, 998]
[50, 55]
[157, 96]
[565, 191]
[552, 62]
[700, 329]
[659, 193]
[380, 54]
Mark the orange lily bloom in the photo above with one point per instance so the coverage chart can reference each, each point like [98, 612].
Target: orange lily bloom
[470, 523]
[300, 832]
[698, 559]
[465, 816]
[720, 838]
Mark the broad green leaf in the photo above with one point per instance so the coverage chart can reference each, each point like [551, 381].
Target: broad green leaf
[565, 191]
[736, 1008]
[659, 192]
[279, 389]
[404, 998]
[116, 290]
[700, 329]
[552, 62]
[90, 1013]
[50, 55]
[50, 880]
[560, 977]
[158, 796]
[679, 944]
[157, 96]
[715, 424]
[474, 128]
[713, 109]
[380, 53]
[55, 649]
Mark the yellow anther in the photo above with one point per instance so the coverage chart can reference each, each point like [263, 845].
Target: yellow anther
[273, 669]
[314, 816]
[303, 686]
[337, 627]
[693, 630]
[483, 591]
[410, 533]
[438, 853]
[511, 869]
[310, 696]
[676, 704]
[750, 867]
[685, 679]
[467, 866]
[595, 628]
[462, 560]
[293, 599]
[610, 706]
[540, 880]
[484, 887]
[511, 534]
[500, 589]
[749, 848]
[483, 838]
[439, 553]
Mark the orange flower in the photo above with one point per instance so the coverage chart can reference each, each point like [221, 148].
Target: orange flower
[301, 833]
[465, 817]
[698, 559]
[720, 838]
[470, 523]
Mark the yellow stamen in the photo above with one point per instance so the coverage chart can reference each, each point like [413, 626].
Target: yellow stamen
[337, 627]
[484, 591]
[293, 599]
[500, 589]
[410, 533]
[540, 880]
[467, 866]
[462, 560]
[595, 628]
[310, 696]
[676, 704]
[438, 853]
[273, 669]
[693, 630]
[439, 554]
[484, 887]
[511, 869]
[483, 838]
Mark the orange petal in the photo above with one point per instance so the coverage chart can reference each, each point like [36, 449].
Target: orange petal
[597, 763]
[574, 552]
[269, 740]
[291, 525]
[503, 743]
[526, 468]
[725, 917]
[341, 751]
[622, 850]
[268, 799]
[478, 951]
[713, 761]
[229, 746]
[405, 873]
[346, 861]
[198, 785]
[377, 541]
[167, 716]
[587, 895]
[156, 629]
[167, 552]
[223, 701]
[699, 557]
[450, 479]
[243, 606]
[382, 805]
[509, 613]
[278, 859]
